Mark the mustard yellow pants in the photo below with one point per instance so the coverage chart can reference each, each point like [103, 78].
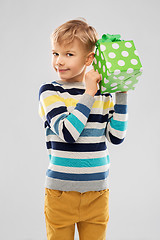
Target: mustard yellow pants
[89, 210]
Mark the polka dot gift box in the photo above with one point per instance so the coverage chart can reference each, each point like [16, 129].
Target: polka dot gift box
[118, 63]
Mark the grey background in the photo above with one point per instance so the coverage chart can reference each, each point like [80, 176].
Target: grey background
[25, 62]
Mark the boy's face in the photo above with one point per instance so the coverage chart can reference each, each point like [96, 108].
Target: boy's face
[70, 60]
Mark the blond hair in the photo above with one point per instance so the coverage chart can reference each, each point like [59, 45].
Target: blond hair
[79, 29]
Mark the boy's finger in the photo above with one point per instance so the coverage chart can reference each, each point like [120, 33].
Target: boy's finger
[100, 77]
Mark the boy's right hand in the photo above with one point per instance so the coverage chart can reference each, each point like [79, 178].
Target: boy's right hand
[91, 79]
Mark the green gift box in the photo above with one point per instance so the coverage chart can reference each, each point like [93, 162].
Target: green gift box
[118, 63]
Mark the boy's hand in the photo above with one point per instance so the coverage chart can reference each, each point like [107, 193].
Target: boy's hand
[91, 79]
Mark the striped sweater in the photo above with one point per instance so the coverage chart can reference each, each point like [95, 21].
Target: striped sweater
[76, 128]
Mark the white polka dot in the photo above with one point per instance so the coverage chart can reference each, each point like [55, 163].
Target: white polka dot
[114, 88]
[97, 52]
[104, 69]
[113, 84]
[105, 80]
[138, 78]
[103, 88]
[108, 74]
[115, 77]
[108, 64]
[115, 45]
[103, 48]
[128, 82]
[96, 70]
[125, 54]
[128, 44]
[99, 64]
[134, 61]
[102, 56]
[95, 60]
[125, 87]
[121, 63]
[112, 55]
[129, 70]
[136, 52]
[117, 71]
[121, 77]
[141, 69]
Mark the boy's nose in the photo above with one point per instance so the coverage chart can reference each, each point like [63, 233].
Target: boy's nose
[60, 61]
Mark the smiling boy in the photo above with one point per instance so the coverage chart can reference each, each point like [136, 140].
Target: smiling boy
[69, 61]
[77, 120]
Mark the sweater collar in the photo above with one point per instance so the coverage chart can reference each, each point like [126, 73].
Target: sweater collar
[70, 83]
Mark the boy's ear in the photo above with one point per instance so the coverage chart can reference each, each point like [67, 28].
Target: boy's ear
[89, 58]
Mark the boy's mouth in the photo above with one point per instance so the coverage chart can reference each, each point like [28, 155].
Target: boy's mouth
[62, 70]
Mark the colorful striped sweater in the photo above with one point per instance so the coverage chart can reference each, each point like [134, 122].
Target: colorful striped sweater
[76, 128]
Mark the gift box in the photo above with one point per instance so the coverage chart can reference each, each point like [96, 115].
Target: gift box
[118, 63]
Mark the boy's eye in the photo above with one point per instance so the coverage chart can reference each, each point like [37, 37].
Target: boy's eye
[70, 54]
[54, 53]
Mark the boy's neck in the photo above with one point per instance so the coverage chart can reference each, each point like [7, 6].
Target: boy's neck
[70, 82]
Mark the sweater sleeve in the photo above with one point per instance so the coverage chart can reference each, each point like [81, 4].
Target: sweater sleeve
[118, 119]
[54, 113]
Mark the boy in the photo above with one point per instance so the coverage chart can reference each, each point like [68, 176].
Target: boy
[77, 120]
